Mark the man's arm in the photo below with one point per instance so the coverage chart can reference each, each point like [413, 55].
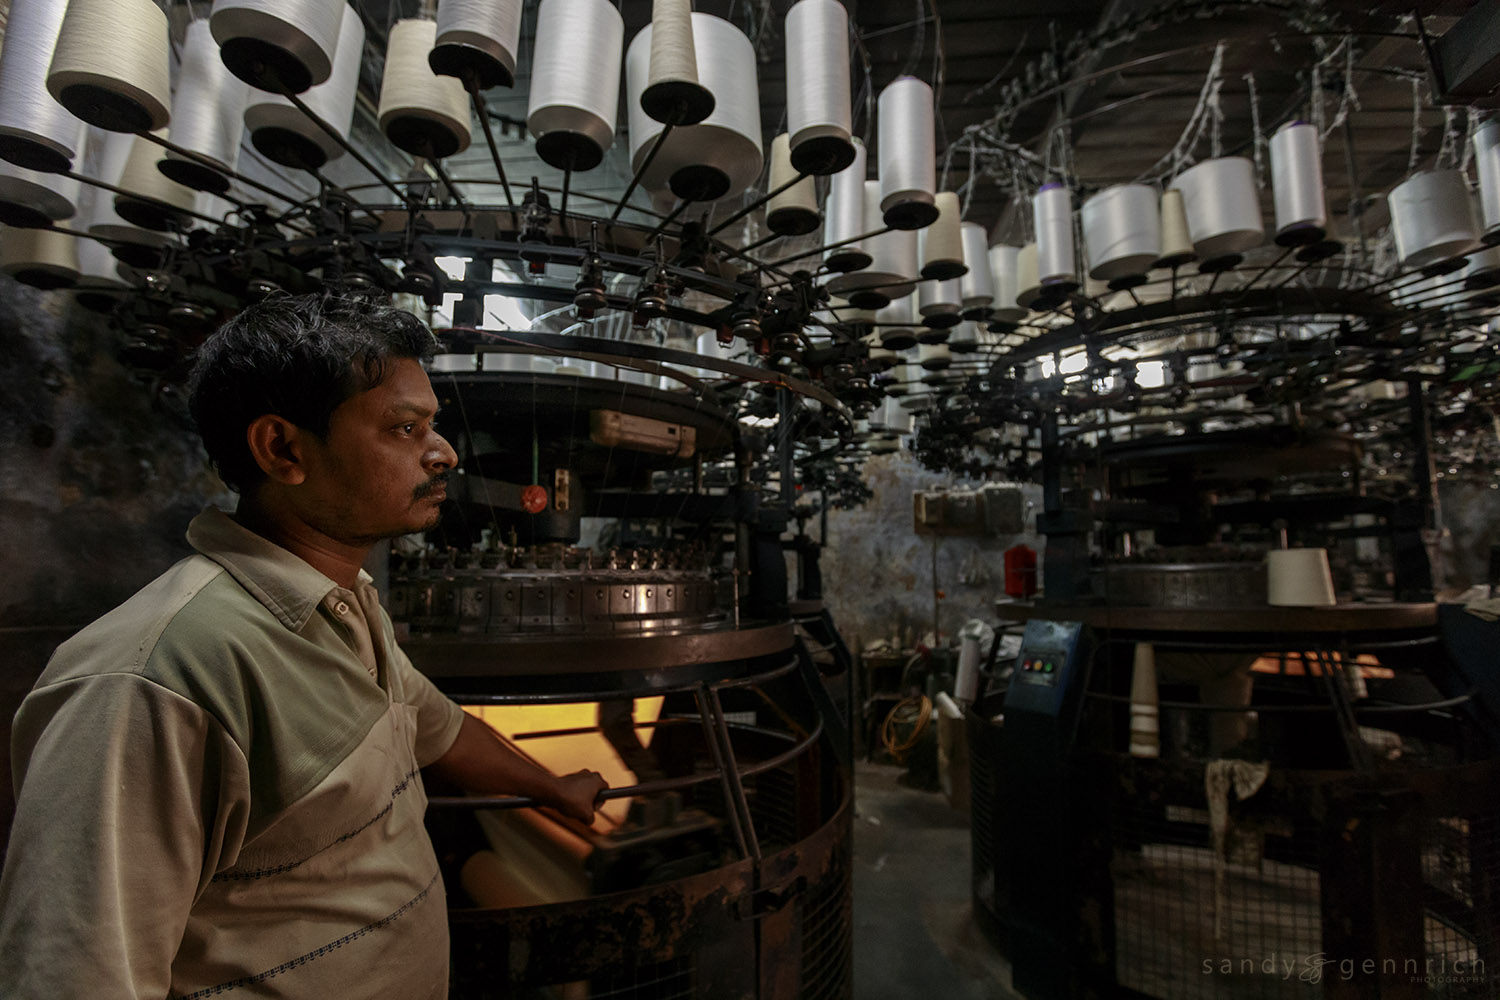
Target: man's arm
[480, 761]
[129, 797]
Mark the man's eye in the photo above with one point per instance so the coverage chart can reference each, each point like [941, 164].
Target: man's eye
[408, 428]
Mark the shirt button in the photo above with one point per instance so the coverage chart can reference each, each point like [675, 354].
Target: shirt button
[341, 608]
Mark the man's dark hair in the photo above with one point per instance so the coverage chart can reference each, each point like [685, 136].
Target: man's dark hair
[299, 357]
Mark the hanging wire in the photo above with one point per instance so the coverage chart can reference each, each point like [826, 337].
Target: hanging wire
[1468, 143]
[1181, 153]
[1258, 135]
[1416, 125]
[1448, 153]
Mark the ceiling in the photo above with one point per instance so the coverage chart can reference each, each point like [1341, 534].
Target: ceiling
[1130, 82]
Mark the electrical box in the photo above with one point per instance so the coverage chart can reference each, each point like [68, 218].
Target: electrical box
[996, 509]
[1004, 508]
[614, 429]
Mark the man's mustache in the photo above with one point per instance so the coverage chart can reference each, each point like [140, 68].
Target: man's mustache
[427, 488]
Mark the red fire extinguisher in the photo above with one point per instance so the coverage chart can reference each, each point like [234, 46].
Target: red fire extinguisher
[1020, 571]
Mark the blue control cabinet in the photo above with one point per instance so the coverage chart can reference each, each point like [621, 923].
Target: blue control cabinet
[1046, 668]
[1057, 950]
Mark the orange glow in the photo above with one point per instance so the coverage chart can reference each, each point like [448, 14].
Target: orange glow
[1295, 665]
[564, 754]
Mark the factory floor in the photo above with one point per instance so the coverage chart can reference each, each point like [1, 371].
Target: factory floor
[914, 931]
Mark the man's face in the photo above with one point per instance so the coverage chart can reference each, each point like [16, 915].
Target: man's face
[381, 470]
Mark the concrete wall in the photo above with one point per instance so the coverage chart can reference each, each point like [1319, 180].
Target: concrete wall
[878, 578]
[99, 476]
[1470, 514]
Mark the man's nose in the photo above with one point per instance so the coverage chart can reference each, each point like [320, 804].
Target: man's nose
[441, 455]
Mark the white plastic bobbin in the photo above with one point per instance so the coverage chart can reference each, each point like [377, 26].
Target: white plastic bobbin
[575, 81]
[908, 151]
[1222, 206]
[109, 66]
[942, 242]
[844, 215]
[880, 359]
[1487, 165]
[476, 42]
[1297, 182]
[1004, 269]
[108, 154]
[895, 324]
[1483, 269]
[1432, 218]
[1176, 242]
[892, 273]
[1057, 261]
[709, 347]
[30, 198]
[283, 46]
[818, 114]
[934, 357]
[721, 156]
[897, 420]
[940, 304]
[41, 258]
[420, 112]
[1028, 277]
[965, 338]
[977, 285]
[901, 377]
[672, 94]
[154, 201]
[35, 131]
[793, 212]
[208, 114]
[1122, 232]
[284, 135]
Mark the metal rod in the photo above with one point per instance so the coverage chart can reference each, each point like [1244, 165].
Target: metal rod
[217, 167]
[437, 168]
[643, 788]
[732, 770]
[1296, 273]
[489, 137]
[661, 226]
[736, 823]
[661, 138]
[562, 208]
[737, 216]
[333, 134]
[138, 197]
[1265, 271]
[760, 242]
[829, 246]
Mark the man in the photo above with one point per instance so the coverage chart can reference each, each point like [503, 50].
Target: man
[218, 787]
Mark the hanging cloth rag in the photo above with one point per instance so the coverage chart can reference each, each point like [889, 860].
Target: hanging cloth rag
[1246, 778]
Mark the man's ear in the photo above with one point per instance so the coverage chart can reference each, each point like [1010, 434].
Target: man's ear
[277, 446]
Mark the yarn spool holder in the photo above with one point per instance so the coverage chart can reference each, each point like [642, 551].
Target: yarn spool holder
[635, 180]
[816, 251]
[265, 65]
[475, 67]
[757, 203]
[481, 109]
[821, 156]
[348, 146]
[199, 167]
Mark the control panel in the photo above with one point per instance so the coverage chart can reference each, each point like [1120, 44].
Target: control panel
[1045, 665]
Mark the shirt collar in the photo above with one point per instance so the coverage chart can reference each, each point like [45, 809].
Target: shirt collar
[287, 585]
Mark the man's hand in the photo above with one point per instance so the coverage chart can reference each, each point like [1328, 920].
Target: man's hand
[480, 761]
[577, 794]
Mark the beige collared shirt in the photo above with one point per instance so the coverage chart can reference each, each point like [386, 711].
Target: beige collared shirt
[218, 794]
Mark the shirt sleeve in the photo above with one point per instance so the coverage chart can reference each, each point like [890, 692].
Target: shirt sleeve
[438, 716]
[129, 798]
